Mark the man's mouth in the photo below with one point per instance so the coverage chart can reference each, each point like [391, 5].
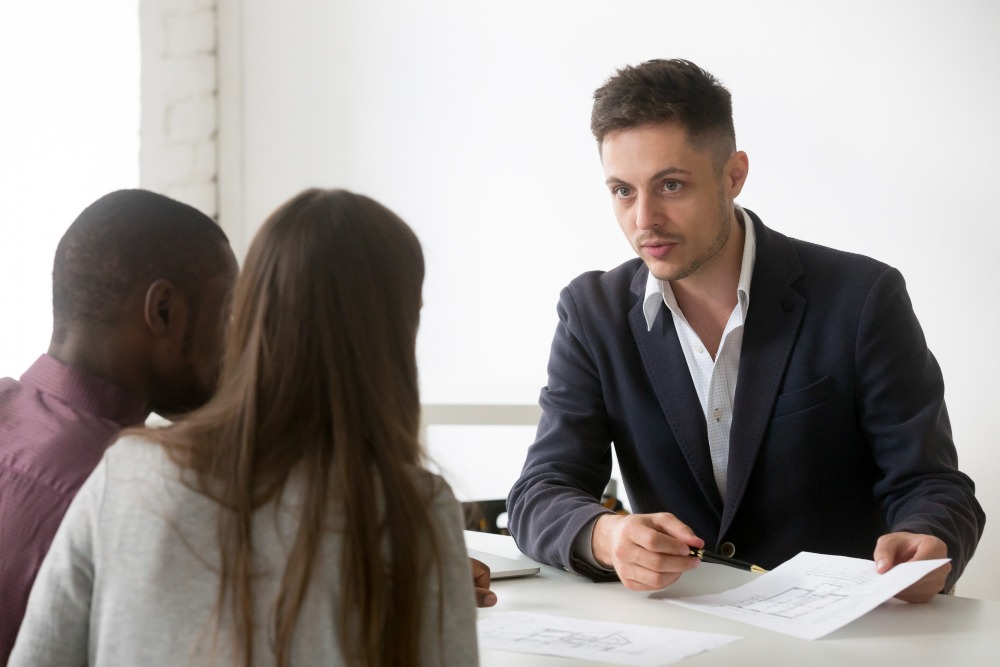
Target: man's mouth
[658, 249]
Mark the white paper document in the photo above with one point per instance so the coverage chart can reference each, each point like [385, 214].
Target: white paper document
[620, 643]
[811, 595]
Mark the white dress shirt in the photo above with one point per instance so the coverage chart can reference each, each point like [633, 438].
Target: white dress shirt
[714, 379]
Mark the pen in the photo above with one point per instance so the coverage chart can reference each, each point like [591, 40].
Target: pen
[709, 557]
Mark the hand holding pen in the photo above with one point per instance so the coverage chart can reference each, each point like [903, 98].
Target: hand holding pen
[646, 551]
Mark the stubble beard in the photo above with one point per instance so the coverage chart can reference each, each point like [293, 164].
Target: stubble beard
[718, 243]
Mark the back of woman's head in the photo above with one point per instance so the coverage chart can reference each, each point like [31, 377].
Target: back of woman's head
[319, 379]
[324, 325]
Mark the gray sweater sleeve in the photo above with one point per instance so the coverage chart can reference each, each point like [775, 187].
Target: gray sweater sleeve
[458, 615]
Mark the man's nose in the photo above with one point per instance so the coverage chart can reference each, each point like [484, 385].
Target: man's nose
[647, 213]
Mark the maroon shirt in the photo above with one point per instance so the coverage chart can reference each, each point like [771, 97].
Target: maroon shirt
[54, 427]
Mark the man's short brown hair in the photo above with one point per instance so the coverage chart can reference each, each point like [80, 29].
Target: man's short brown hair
[659, 91]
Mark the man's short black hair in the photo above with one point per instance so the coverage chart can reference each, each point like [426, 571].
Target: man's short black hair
[123, 242]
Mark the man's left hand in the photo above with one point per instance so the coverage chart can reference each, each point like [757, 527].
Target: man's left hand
[896, 548]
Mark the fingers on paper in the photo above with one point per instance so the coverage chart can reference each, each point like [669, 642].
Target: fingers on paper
[902, 547]
[895, 548]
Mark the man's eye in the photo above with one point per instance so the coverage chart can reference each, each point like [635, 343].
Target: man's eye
[622, 191]
[671, 186]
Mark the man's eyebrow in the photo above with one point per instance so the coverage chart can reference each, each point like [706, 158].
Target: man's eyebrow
[668, 171]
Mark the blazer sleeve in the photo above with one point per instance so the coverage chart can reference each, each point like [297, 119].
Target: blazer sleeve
[903, 413]
[568, 466]
[56, 626]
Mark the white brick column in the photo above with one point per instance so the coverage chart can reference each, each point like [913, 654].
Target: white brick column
[178, 153]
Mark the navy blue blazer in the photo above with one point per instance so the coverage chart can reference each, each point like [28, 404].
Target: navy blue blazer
[839, 434]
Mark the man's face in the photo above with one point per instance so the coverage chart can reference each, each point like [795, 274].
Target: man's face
[671, 202]
[189, 380]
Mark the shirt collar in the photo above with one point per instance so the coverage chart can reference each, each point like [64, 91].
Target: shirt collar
[658, 292]
[79, 389]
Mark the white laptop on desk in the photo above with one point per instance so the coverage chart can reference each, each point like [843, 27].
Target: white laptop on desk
[502, 567]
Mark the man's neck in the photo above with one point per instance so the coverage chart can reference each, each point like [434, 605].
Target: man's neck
[105, 354]
[708, 297]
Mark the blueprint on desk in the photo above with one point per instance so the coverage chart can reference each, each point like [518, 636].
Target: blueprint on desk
[811, 595]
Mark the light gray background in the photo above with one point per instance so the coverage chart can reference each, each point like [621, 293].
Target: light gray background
[870, 126]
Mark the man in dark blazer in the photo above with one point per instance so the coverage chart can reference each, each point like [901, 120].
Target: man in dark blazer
[765, 396]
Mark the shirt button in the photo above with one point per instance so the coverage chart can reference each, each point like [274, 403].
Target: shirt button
[699, 349]
[728, 549]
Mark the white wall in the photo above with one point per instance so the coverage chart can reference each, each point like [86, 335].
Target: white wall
[69, 133]
[871, 126]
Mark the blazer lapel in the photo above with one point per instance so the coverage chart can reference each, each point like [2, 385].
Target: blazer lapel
[772, 324]
[667, 370]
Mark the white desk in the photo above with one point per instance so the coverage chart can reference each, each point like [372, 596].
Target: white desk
[950, 630]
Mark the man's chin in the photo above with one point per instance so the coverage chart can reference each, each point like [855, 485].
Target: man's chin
[662, 270]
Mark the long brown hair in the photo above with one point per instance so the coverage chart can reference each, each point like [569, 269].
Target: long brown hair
[319, 378]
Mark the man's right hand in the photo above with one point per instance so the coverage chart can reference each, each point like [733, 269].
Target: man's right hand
[647, 551]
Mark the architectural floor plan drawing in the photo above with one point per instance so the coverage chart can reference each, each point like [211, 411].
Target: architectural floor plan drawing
[618, 643]
[796, 602]
[570, 639]
[811, 595]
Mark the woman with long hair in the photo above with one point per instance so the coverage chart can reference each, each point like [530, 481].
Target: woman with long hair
[289, 521]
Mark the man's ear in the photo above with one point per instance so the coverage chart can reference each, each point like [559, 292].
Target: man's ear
[735, 173]
[159, 307]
